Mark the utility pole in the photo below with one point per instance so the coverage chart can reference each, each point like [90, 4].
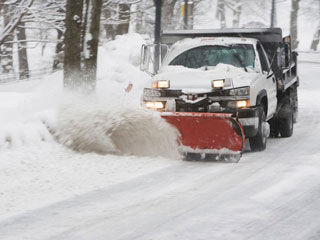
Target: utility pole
[273, 13]
[185, 14]
[157, 32]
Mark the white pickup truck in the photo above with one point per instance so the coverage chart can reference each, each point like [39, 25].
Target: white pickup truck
[251, 73]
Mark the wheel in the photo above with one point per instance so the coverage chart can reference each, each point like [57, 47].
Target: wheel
[286, 119]
[259, 142]
[274, 128]
[295, 105]
[192, 156]
[286, 125]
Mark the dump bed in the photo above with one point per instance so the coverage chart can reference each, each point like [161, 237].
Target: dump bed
[264, 35]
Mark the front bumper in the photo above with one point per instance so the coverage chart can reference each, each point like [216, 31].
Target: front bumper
[174, 102]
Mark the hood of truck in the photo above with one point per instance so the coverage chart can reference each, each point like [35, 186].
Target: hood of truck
[199, 81]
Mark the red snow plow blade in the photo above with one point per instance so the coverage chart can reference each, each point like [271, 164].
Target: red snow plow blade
[207, 132]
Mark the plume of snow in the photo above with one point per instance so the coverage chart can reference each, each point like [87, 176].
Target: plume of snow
[107, 129]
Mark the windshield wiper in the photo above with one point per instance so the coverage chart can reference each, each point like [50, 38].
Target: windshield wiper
[240, 61]
[238, 57]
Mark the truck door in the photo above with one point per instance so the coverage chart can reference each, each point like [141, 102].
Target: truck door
[270, 84]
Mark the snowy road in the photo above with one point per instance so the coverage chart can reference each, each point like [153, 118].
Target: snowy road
[268, 195]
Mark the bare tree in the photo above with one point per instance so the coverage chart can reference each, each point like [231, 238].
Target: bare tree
[22, 52]
[221, 13]
[7, 42]
[316, 36]
[109, 13]
[124, 18]
[143, 17]
[167, 20]
[236, 8]
[91, 43]
[13, 17]
[294, 23]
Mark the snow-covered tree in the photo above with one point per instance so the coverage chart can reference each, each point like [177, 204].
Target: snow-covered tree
[12, 13]
[294, 23]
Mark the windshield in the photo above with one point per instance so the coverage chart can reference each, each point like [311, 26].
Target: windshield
[238, 55]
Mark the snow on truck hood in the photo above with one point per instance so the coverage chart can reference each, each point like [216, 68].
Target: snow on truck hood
[199, 80]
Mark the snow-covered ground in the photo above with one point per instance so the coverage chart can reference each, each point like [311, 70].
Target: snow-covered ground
[51, 192]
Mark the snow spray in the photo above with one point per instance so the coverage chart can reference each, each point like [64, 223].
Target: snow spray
[119, 130]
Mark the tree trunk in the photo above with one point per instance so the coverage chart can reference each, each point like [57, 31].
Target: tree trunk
[91, 44]
[108, 26]
[124, 18]
[22, 52]
[167, 14]
[72, 51]
[316, 40]
[140, 19]
[294, 23]
[6, 48]
[236, 14]
[221, 13]
[316, 36]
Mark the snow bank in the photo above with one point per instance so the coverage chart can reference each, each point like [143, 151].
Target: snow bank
[28, 111]
[118, 65]
[31, 131]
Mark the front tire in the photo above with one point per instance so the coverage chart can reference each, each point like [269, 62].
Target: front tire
[259, 142]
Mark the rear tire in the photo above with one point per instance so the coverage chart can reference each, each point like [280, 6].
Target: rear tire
[294, 96]
[274, 128]
[286, 126]
[286, 119]
[259, 142]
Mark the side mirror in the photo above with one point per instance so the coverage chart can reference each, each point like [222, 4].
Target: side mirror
[145, 58]
[152, 55]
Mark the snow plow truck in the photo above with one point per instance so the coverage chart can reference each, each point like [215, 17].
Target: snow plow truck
[220, 87]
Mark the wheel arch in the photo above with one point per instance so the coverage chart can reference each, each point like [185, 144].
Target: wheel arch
[262, 100]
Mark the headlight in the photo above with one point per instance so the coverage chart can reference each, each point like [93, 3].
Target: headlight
[243, 104]
[239, 104]
[155, 105]
[221, 83]
[161, 84]
[245, 91]
[218, 83]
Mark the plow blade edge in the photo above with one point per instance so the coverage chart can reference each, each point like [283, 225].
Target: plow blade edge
[207, 132]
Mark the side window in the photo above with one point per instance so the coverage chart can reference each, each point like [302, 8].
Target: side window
[263, 60]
